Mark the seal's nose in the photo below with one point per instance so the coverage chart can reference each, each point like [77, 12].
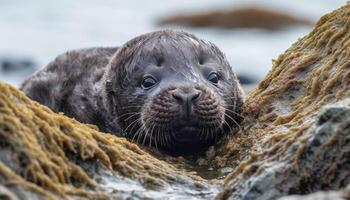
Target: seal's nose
[186, 99]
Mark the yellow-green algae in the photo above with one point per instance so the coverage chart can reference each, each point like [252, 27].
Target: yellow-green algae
[41, 139]
[314, 72]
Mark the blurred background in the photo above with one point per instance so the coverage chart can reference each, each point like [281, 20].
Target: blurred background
[251, 33]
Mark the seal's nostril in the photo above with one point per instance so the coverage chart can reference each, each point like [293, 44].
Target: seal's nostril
[193, 96]
[186, 100]
[186, 97]
[178, 96]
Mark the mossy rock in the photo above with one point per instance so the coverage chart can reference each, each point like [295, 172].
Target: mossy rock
[276, 151]
[54, 155]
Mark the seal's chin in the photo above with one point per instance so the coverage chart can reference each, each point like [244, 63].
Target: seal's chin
[188, 138]
[187, 133]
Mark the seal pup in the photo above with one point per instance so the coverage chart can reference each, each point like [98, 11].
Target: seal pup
[167, 89]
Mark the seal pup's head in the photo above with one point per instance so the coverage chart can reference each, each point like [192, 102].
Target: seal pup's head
[172, 90]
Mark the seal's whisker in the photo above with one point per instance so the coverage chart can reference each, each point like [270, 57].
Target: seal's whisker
[229, 104]
[212, 133]
[233, 112]
[206, 133]
[169, 135]
[140, 135]
[165, 136]
[128, 114]
[133, 126]
[136, 120]
[132, 106]
[136, 134]
[233, 106]
[150, 135]
[156, 138]
[234, 121]
[159, 137]
[162, 136]
[133, 115]
[151, 138]
[202, 134]
[145, 134]
[228, 126]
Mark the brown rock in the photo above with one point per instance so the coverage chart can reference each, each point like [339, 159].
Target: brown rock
[245, 17]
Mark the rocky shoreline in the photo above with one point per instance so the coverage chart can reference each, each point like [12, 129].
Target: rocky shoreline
[294, 140]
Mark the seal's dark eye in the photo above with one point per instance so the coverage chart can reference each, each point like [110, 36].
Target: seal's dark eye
[213, 77]
[148, 82]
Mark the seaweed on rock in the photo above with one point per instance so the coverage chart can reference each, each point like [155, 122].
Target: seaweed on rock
[282, 113]
[36, 147]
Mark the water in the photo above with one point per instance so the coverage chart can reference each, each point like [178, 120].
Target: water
[42, 29]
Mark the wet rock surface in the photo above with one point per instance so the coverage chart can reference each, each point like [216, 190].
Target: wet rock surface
[294, 140]
[317, 161]
[317, 196]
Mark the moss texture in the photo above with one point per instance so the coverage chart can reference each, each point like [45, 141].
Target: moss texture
[314, 72]
[40, 142]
